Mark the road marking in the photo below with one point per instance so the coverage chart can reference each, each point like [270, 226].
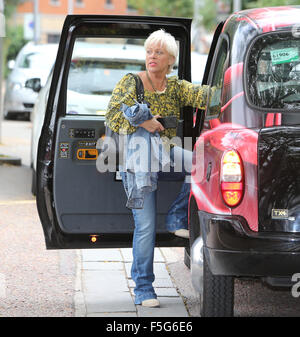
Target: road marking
[16, 202]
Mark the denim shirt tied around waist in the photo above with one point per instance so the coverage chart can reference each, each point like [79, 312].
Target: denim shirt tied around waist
[145, 156]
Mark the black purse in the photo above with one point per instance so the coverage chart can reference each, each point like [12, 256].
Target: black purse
[112, 147]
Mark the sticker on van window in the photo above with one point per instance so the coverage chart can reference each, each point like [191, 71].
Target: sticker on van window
[285, 55]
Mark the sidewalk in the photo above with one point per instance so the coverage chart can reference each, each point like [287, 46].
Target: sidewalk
[15, 143]
[104, 287]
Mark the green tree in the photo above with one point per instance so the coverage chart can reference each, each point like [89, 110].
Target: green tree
[176, 8]
[269, 3]
[14, 40]
[208, 13]
[10, 7]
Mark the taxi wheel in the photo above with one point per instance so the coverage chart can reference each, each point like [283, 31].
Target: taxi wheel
[217, 297]
[194, 228]
[216, 291]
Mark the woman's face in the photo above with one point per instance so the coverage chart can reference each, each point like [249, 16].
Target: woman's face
[158, 59]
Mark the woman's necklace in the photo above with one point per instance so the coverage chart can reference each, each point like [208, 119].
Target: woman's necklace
[156, 92]
[152, 85]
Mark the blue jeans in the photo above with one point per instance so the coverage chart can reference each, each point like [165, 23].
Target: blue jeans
[145, 231]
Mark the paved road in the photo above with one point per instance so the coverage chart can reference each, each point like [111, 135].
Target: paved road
[36, 282]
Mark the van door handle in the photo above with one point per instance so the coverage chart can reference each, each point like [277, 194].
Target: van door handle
[208, 172]
[87, 154]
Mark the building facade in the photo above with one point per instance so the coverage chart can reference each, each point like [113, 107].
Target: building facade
[52, 13]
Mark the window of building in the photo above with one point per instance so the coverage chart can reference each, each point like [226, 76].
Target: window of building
[109, 4]
[55, 3]
[79, 3]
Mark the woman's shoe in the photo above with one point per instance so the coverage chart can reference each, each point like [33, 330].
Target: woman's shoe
[151, 303]
[183, 233]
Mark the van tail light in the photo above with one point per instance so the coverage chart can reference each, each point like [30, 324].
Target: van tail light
[232, 178]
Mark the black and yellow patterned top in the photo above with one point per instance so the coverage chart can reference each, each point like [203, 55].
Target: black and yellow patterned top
[178, 93]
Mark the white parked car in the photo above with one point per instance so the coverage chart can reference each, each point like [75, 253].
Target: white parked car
[33, 61]
[94, 71]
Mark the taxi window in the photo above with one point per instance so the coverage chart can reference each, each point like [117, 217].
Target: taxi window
[213, 109]
[273, 72]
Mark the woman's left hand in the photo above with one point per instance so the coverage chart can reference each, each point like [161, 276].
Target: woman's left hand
[152, 125]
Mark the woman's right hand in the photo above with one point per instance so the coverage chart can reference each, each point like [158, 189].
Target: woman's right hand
[152, 125]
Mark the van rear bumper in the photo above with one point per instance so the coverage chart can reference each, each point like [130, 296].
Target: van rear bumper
[231, 248]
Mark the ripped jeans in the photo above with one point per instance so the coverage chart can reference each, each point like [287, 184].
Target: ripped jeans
[145, 228]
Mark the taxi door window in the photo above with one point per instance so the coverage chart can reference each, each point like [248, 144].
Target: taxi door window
[213, 109]
[97, 65]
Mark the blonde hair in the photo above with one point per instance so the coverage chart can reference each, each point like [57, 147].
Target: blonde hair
[164, 39]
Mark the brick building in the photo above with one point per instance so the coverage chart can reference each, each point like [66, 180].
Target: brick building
[52, 14]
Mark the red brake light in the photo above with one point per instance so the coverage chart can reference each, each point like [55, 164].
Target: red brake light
[232, 180]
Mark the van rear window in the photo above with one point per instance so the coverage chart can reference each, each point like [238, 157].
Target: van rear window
[273, 72]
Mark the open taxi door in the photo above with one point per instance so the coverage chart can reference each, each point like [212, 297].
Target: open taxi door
[80, 207]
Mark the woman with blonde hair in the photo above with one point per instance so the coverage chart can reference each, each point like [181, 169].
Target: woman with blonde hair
[166, 96]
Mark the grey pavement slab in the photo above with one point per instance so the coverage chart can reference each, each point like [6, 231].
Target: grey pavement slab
[104, 303]
[105, 254]
[106, 291]
[158, 283]
[160, 270]
[98, 281]
[104, 266]
[127, 255]
[166, 292]
[107, 288]
[162, 292]
[113, 314]
[169, 307]
[15, 183]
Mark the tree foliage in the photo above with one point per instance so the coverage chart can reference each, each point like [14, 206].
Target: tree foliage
[175, 8]
[10, 7]
[208, 10]
[208, 14]
[14, 40]
[269, 3]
